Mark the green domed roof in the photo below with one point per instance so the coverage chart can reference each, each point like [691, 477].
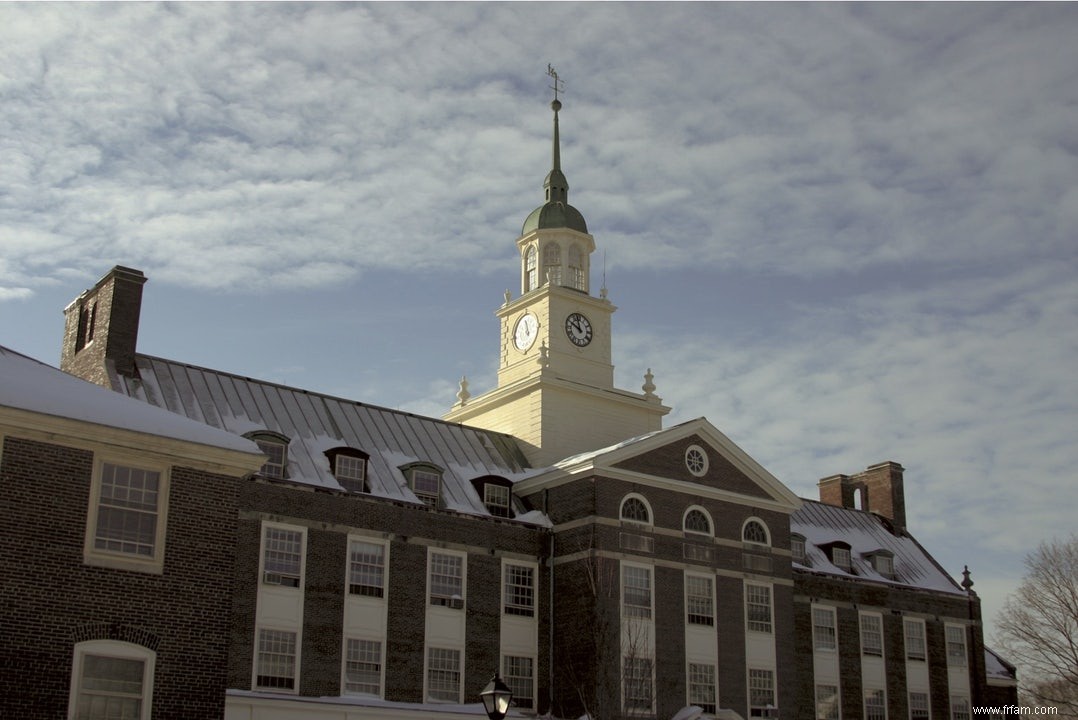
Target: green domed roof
[556, 212]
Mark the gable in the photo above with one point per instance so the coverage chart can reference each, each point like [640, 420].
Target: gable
[669, 461]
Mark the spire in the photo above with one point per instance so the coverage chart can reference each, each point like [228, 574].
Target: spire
[556, 210]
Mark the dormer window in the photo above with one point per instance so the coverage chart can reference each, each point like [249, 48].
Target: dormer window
[797, 548]
[275, 447]
[840, 557]
[425, 480]
[883, 562]
[496, 498]
[349, 468]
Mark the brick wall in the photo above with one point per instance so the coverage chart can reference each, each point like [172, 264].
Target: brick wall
[59, 601]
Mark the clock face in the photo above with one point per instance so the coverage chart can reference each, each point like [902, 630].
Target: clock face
[578, 328]
[526, 331]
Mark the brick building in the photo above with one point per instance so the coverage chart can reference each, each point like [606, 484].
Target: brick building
[551, 530]
[116, 552]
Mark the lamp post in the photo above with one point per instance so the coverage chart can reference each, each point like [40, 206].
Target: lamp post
[496, 698]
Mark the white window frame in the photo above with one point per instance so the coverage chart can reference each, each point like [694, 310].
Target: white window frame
[749, 622]
[702, 686]
[757, 709]
[924, 705]
[118, 559]
[343, 465]
[531, 268]
[874, 693]
[258, 660]
[956, 636]
[696, 461]
[358, 570]
[835, 701]
[710, 532]
[878, 631]
[919, 637]
[634, 662]
[842, 558]
[112, 649]
[516, 681]
[824, 629]
[763, 526]
[346, 659]
[276, 578]
[644, 502]
[271, 445]
[441, 599]
[634, 609]
[425, 496]
[496, 496]
[797, 548]
[694, 614]
[459, 670]
[960, 709]
[512, 601]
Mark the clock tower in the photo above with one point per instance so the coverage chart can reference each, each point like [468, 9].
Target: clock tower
[555, 376]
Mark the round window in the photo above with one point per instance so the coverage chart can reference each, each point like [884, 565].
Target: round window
[696, 460]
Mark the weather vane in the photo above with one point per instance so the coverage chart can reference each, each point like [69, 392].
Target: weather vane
[559, 84]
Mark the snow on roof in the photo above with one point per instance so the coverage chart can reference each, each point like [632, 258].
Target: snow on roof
[867, 533]
[996, 668]
[27, 384]
[315, 423]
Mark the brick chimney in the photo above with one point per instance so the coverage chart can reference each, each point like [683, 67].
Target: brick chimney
[878, 489]
[101, 327]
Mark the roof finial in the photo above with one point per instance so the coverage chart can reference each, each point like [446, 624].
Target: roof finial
[556, 87]
[556, 186]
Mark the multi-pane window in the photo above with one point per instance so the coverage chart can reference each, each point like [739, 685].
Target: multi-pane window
[841, 558]
[635, 510]
[702, 687]
[823, 629]
[915, 639]
[697, 522]
[699, 600]
[754, 533]
[884, 565]
[363, 667]
[636, 591]
[127, 511]
[282, 556]
[531, 271]
[827, 702]
[797, 548]
[443, 675]
[446, 580]
[351, 472]
[956, 646]
[576, 268]
[872, 635]
[496, 498]
[875, 705]
[959, 707]
[919, 706]
[276, 662]
[426, 485]
[276, 453]
[366, 568]
[761, 692]
[110, 687]
[758, 607]
[519, 675]
[639, 692]
[552, 264]
[519, 590]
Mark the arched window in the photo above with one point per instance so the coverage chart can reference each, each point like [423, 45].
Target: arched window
[113, 674]
[697, 521]
[634, 509]
[531, 273]
[755, 532]
[576, 268]
[552, 264]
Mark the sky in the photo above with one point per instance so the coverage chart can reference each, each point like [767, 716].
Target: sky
[844, 233]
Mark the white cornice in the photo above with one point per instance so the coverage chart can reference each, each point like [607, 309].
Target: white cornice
[92, 436]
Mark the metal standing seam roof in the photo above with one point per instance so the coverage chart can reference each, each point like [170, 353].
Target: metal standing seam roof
[821, 524]
[315, 423]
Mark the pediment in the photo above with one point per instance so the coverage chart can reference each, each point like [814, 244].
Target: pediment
[662, 458]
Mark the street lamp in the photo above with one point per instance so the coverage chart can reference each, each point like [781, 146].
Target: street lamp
[496, 697]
